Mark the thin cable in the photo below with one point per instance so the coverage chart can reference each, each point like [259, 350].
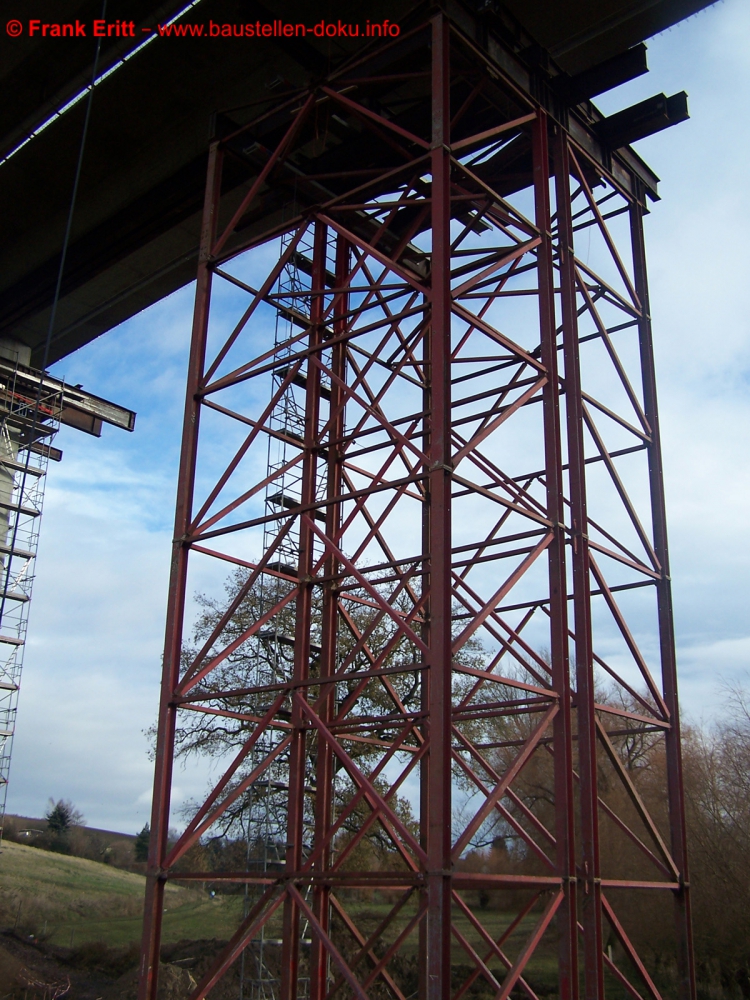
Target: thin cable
[53, 316]
[71, 212]
[71, 103]
[47, 343]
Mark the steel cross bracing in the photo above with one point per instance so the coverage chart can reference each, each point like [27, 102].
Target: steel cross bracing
[478, 620]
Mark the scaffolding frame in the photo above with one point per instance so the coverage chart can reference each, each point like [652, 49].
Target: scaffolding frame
[404, 456]
[29, 419]
[266, 815]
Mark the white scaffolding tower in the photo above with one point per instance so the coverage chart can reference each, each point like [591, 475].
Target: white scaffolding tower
[33, 404]
[29, 419]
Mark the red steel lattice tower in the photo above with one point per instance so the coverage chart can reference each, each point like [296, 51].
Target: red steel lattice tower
[479, 621]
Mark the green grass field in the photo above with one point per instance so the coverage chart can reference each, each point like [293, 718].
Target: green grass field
[72, 900]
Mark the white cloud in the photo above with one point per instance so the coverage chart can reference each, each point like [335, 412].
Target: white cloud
[708, 670]
[91, 672]
[92, 664]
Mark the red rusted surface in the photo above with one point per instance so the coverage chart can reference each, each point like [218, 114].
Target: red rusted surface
[471, 348]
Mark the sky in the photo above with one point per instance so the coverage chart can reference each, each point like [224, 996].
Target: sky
[92, 665]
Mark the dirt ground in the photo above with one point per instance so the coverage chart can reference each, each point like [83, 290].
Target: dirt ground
[32, 970]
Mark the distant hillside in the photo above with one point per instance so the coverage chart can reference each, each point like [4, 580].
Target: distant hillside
[70, 900]
[114, 848]
[21, 823]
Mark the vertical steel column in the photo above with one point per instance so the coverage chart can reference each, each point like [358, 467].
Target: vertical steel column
[155, 883]
[438, 964]
[675, 785]
[586, 716]
[439, 552]
[298, 753]
[560, 661]
[325, 774]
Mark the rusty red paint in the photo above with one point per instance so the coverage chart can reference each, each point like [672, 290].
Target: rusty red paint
[407, 302]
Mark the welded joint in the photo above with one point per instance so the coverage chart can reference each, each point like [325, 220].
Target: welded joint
[566, 252]
[589, 883]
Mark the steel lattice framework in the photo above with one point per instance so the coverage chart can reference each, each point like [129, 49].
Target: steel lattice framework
[480, 527]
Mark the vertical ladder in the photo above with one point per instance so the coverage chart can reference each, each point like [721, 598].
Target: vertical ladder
[266, 805]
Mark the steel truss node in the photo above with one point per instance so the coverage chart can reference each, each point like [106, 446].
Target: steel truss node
[462, 539]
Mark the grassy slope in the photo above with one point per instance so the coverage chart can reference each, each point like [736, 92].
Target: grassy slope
[79, 900]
